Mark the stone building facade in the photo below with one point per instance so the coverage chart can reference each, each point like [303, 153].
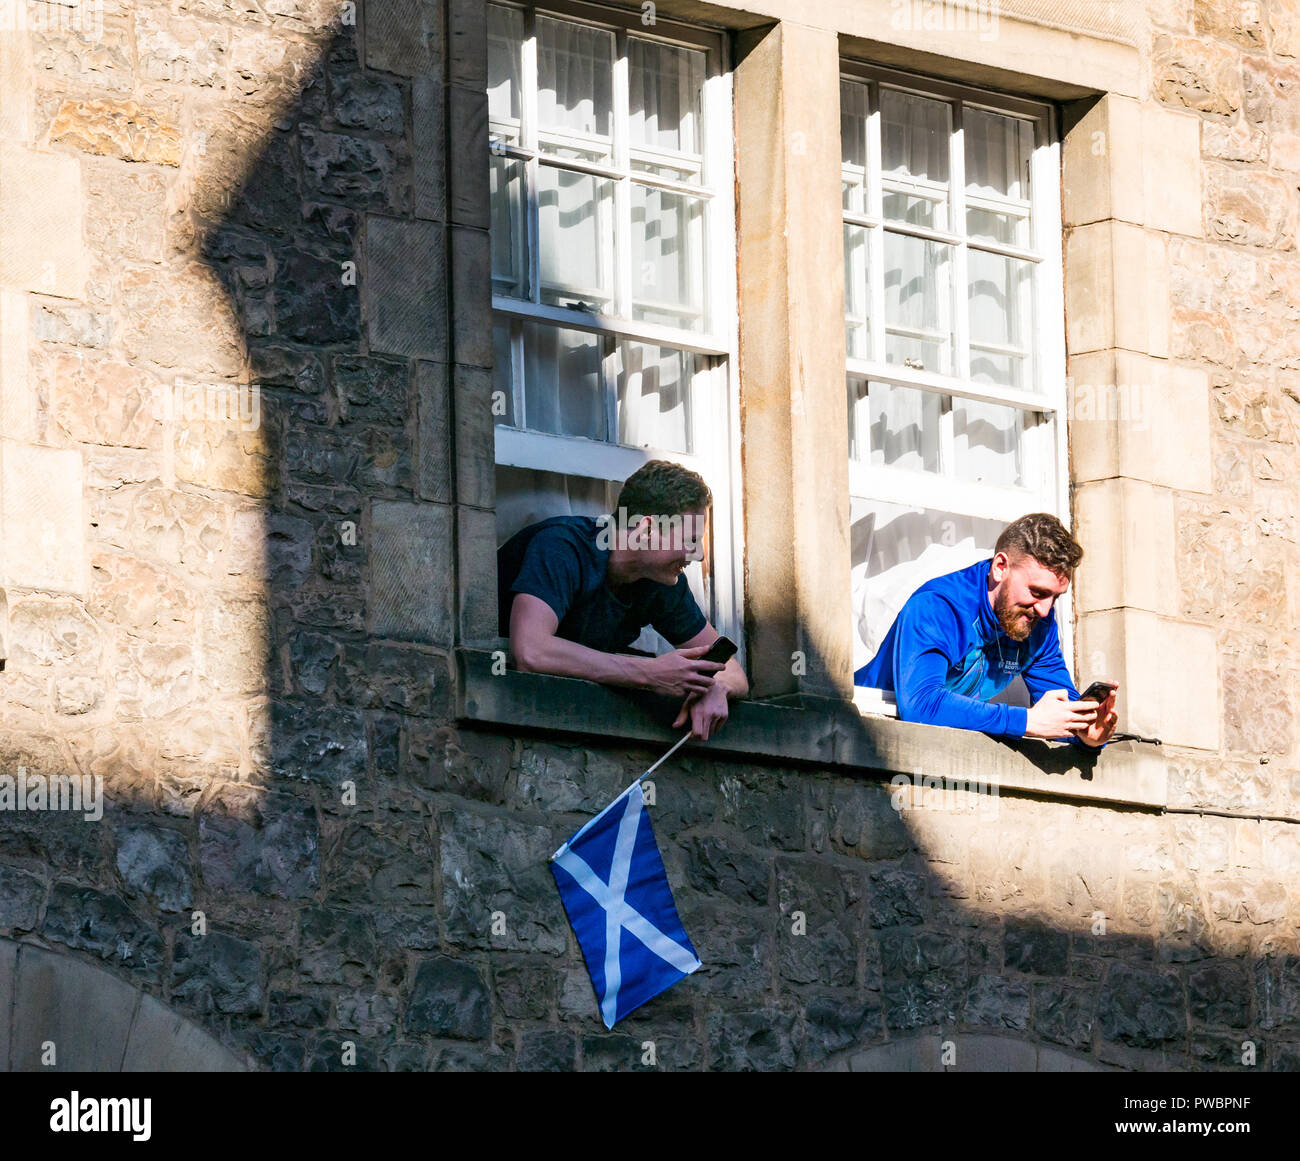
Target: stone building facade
[246, 493]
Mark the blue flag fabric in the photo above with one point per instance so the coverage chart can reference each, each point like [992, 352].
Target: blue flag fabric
[615, 891]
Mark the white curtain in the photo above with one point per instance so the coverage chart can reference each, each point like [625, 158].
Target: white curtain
[999, 302]
[562, 383]
[525, 496]
[654, 397]
[575, 80]
[505, 33]
[918, 297]
[853, 141]
[915, 135]
[667, 248]
[664, 97]
[575, 224]
[998, 150]
[900, 426]
[986, 443]
[857, 291]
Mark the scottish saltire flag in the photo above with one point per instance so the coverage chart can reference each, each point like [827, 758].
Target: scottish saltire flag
[615, 890]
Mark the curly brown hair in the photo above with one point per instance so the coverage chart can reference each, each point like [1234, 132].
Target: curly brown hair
[662, 488]
[1043, 537]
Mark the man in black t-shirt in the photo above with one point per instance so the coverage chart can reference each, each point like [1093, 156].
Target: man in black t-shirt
[574, 592]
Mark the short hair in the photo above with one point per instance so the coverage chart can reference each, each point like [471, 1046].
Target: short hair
[662, 488]
[1042, 536]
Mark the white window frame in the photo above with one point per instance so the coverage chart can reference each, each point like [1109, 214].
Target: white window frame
[1044, 446]
[714, 391]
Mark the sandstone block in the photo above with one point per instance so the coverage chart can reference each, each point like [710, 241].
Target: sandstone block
[404, 37]
[1168, 673]
[41, 514]
[40, 194]
[406, 288]
[1136, 162]
[1117, 289]
[123, 129]
[409, 571]
[1197, 74]
[1250, 208]
[1127, 527]
[50, 997]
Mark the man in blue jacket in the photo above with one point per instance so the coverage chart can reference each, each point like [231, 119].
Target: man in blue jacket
[962, 638]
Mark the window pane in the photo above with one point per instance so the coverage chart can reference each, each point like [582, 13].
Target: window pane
[508, 236]
[998, 149]
[930, 212]
[918, 303]
[915, 137]
[894, 551]
[664, 93]
[574, 88]
[502, 376]
[857, 291]
[1000, 305]
[902, 426]
[505, 32]
[853, 142]
[562, 384]
[654, 397]
[986, 443]
[575, 221]
[667, 253]
[1009, 228]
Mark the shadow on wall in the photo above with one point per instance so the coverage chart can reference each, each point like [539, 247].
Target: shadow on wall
[345, 862]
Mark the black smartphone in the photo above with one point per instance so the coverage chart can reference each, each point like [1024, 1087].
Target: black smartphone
[721, 651]
[1098, 691]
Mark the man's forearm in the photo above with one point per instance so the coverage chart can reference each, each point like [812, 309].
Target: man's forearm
[566, 658]
[733, 679]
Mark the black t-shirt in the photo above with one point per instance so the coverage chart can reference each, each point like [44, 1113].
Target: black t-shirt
[559, 562]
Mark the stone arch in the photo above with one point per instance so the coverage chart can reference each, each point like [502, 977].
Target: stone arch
[97, 1022]
[973, 1052]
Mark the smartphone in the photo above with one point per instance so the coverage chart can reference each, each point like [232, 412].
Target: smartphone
[721, 651]
[1098, 691]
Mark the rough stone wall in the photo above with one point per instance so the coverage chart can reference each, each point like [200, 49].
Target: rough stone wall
[191, 620]
[1235, 302]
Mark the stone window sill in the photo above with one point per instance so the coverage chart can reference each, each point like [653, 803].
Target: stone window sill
[818, 731]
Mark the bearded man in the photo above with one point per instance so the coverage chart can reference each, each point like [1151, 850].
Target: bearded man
[962, 638]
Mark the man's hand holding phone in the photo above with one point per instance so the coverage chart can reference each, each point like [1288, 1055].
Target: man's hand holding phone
[1102, 695]
[1091, 720]
[681, 673]
[708, 711]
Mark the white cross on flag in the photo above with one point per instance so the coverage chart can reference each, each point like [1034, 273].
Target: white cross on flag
[615, 890]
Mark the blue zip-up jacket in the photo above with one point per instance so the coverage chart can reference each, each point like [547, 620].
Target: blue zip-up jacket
[946, 654]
